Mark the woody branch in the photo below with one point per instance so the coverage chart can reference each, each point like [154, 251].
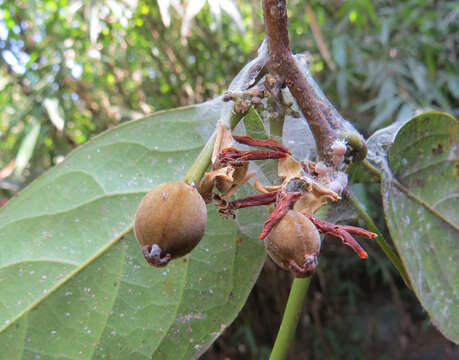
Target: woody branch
[283, 66]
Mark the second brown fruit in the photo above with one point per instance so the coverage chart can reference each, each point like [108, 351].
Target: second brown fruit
[294, 244]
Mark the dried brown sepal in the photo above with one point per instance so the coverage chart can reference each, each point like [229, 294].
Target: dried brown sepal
[238, 184]
[233, 156]
[265, 188]
[283, 205]
[152, 255]
[205, 189]
[223, 139]
[225, 183]
[314, 200]
[306, 269]
[223, 175]
[289, 168]
[268, 143]
[323, 191]
[242, 106]
[343, 232]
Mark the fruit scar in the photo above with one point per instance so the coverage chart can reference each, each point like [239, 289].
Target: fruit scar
[305, 270]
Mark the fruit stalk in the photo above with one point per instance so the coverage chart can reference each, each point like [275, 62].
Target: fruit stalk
[290, 319]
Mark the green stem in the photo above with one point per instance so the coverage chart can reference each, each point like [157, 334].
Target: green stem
[372, 169]
[290, 319]
[200, 165]
[380, 239]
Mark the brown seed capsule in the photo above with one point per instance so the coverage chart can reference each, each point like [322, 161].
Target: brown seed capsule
[294, 244]
[169, 222]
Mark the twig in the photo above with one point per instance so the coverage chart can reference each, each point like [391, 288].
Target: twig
[282, 65]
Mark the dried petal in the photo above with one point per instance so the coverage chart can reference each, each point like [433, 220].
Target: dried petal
[342, 232]
[234, 156]
[358, 231]
[281, 209]
[254, 200]
[227, 207]
[268, 143]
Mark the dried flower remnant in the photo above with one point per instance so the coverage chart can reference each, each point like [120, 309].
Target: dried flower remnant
[228, 176]
[282, 207]
[233, 156]
[343, 232]
[305, 188]
[226, 208]
[230, 165]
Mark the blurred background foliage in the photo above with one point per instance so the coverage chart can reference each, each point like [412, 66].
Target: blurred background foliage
[71, 69]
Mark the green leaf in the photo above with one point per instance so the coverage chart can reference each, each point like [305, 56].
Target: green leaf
[27, 147]
[72, 277]
[420, 203]
[254, 125]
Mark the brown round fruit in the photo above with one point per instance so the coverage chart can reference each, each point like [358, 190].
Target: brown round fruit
[294, 244]
[170, 221]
